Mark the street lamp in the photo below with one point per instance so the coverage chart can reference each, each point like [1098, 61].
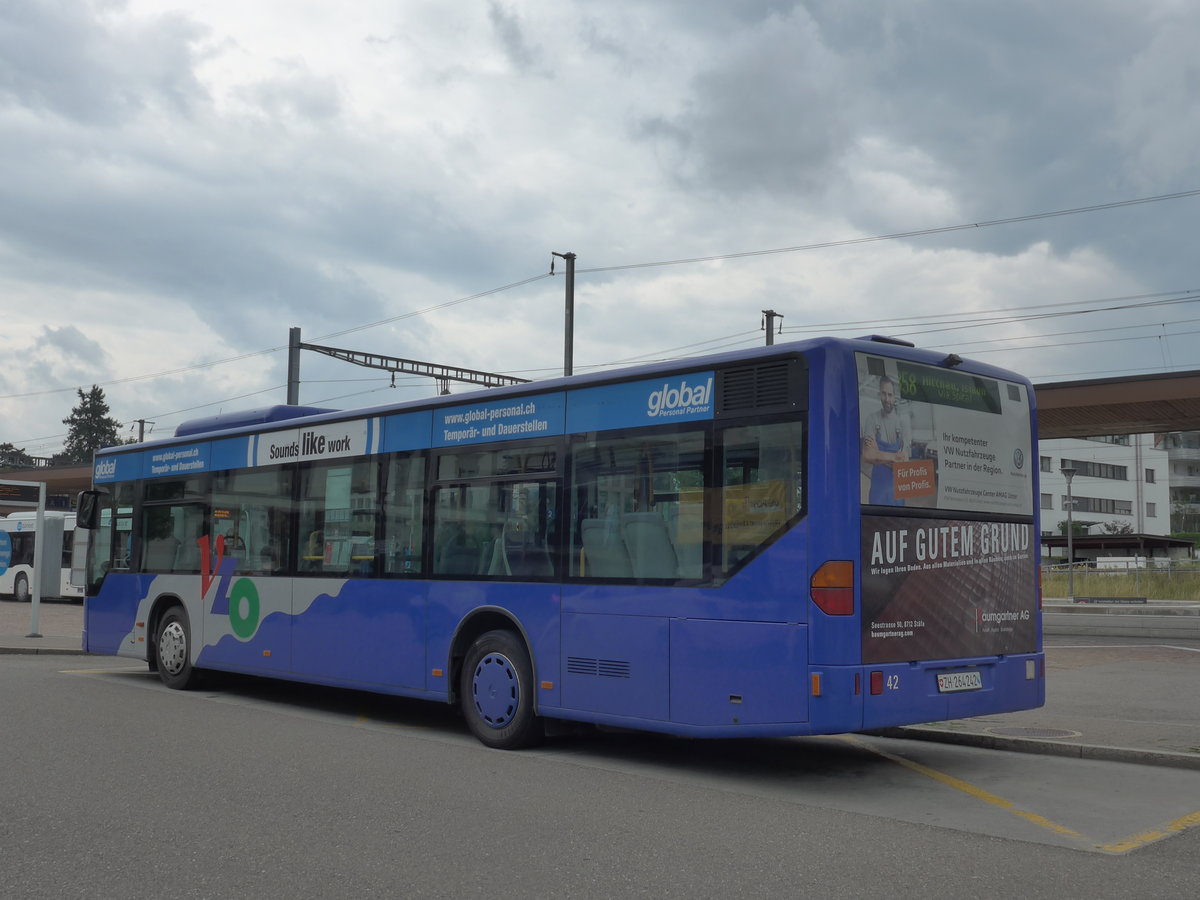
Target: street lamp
[1068, 472]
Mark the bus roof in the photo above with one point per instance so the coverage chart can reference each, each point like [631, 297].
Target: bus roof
[262, 419]
[247, 417]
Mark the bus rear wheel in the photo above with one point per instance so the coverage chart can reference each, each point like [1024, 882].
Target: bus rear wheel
[496, 692]
[173, 650]
[21, 588]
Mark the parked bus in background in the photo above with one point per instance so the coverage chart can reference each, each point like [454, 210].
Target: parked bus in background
[18, 538]
[808, 538]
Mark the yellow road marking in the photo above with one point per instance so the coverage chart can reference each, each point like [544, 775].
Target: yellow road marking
[1116, 847]
[973, 790]
[1154, 834]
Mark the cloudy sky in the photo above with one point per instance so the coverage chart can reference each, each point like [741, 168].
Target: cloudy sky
[182, 183]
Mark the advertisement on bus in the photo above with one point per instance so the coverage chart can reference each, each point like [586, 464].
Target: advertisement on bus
[937, 438]
[946, 588]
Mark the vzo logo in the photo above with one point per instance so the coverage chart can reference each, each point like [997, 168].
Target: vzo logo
[241, 603]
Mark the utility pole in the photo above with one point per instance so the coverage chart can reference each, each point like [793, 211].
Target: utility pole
[769, 317]
[1068, 472]
[569, 337]
[293, 369]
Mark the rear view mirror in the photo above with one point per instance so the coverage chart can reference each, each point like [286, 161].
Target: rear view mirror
[87, 510]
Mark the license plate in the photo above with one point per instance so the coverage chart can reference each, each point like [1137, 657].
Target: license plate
[949, 682]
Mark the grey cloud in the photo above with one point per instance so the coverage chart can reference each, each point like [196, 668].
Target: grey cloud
[508, 29]
[296, 93]
[62, 58]
[63, 355]
[1028, 108]
[715, 16]
[1157, 116]
[72, 344]
[1004, 110]
[771, 111]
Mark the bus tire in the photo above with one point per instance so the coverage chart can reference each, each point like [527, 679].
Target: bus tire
[21, 588]
[173, 649]
[496, 692]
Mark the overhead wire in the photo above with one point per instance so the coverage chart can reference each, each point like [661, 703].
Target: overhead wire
[1141, 337]
[1053, 334]
[1054, 315]
[265, 351]
[661, 263]
[899, 235]
[435, 307]
[938, 318]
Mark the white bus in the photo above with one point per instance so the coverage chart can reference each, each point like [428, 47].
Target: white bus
[18, 538]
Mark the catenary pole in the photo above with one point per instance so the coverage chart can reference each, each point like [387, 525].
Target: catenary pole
[569, 324]
[769, 317]
[293, 368]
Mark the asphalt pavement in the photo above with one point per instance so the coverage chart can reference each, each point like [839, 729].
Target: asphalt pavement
[1123, 682]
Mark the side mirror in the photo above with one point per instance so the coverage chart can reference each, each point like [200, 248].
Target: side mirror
[87, 510]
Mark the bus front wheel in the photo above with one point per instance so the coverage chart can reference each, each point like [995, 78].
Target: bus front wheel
[172, 647]
[21, 588]
[496, 692]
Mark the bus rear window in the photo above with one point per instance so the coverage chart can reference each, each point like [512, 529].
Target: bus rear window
[936, 438]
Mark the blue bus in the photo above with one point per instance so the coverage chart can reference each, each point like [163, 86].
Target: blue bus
[816, 537]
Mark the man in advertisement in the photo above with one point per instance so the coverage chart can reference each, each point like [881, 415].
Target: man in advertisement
[885, 439]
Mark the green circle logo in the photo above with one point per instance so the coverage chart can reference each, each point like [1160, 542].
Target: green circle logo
[244, 623]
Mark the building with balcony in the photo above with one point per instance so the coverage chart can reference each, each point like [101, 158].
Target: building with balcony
[1121, 485]
[1183, 455]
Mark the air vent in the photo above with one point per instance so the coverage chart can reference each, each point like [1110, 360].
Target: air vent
[608, 668]
[776, 385]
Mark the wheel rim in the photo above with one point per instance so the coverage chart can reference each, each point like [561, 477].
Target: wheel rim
[21, 590]
[496, 690]
[172, 648]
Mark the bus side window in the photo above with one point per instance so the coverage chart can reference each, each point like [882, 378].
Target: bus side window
[404, 515]
[495, 514]
[160, 544]
[638, 507]
[120, 521]
[762, 467]
[337, 517]
[251, 514]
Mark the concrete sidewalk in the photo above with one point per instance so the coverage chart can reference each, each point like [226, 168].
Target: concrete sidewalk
[60, 624]
[1132, 693]
[1135, 698]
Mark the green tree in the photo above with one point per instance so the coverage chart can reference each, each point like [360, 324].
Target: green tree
[1077, 527]
[89, 427]
[14, 457]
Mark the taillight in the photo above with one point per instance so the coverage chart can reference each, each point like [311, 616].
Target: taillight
[832, 588]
